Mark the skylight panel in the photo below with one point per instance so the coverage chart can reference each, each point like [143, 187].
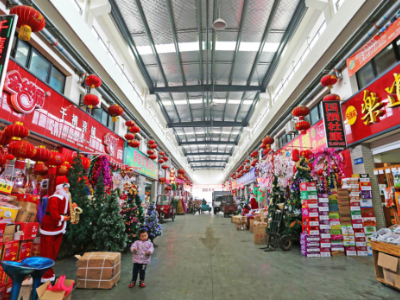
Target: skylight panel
[233, 101]
[180, 102]
[195, 101]
[248, 102]
[220, 100]
[166, 103]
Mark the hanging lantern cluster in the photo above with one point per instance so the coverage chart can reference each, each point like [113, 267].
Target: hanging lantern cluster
[16, 131]
[168, 189]
[92, 81]
[22, 150]
[254, 154]
[130, 136]
[134, 144]
[115, 111]
[151, 144]
[266, 144]
[301, 112]
[29, 20]
[42, 155]
[181, 172]
[162, 180]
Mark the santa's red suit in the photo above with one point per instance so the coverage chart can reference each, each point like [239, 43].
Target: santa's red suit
[53, 225]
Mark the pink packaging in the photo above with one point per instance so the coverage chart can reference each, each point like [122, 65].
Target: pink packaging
[336, 237]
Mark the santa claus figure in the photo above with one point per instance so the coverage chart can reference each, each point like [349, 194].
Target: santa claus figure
[54, 223]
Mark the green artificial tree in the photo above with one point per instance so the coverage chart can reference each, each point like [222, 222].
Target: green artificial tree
[277, 196]
[132, 215]
[109, 234]
[151, 223]
[293, 217]
[99, 197]
[79, 236]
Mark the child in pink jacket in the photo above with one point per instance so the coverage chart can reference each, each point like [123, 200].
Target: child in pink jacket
[142, 251]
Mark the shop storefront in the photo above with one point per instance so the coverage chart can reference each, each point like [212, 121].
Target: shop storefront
[246, 183]
[145, 170]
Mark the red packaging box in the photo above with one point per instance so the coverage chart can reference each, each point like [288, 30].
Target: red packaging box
[3, 276]
[357, 223]
[35, 250]
[311, 230]
[367, 213]
[2, 291]
[29, 230]
[28, 198]
[310, 203]
[25, 250]
[355, 203]
[310, 221]
[2, 229]
[10, 251]
[8, 291]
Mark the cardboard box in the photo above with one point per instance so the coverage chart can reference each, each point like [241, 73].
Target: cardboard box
[235, 219]
[98, 270]
[44, 294]
[35, 250]
[10, 251]
[251, 225]
[260, 233]
[25, 250]
[28, 231]
[2, 231]
[241, 227]
[27, 212]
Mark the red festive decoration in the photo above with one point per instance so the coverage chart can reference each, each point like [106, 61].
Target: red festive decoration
[10, 157]
[130, 123]
[153, 146]
[115, 111]
[165, 158]
[22, 150]
[129, 136]
[295, 155]
[153, 156]
[301, 111]
[134, 144]
[150, 152]
[303, 126]
[16, 131]
[161, 153]
[85, 162]
[162, 180]
[150, 142]
[165, 167]
[320, 172]
[91, 100]
[134, 129]
[4, 139]
[254, 154]
[29, 20]
[168, 188]
[306, 153]
[3, 160]
[160, 161]
[40, 169]
[63, 169]
[329, 80]
[93, 81]
[55, 160]
[181, 171]
[268, 140]
[42, 154]
[331, 97]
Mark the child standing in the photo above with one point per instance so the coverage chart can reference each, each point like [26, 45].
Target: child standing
[142, 251]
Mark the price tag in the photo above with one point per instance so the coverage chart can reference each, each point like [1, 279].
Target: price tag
[6, 186]
[387, 171]
[394, 170]
[375, 172]
[381, 172]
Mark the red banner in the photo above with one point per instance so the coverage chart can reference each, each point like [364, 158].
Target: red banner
[44, 111]
[372, 48]
[373, 111]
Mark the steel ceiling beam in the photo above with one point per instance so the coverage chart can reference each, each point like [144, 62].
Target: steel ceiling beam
[164, 111]
[208, 88]
[200, 33]
[207, 153]
[253, 105]
[207, 167]
[208, 124]
[208, 161]
[123, 28]
[208, 143]
[294, 23]
[214, 39]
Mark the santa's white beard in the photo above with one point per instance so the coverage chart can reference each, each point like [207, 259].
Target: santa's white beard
[62, 192]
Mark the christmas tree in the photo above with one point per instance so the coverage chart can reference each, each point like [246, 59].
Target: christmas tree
[109, 234]
[277, 197]
[151, 223]
[293, 218]
[79, 236]
[99, 197]
[132, 214]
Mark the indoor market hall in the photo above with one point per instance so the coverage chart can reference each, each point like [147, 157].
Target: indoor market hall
[199, 149]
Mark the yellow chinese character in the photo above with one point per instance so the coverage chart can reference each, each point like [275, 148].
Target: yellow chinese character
[305, 140]
[394, 89]
[371, 108]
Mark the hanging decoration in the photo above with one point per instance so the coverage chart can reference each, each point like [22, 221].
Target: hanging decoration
[29, 20]
[16, 131]
[55, 160]
[134, 144]
[160, 161]
[165, 158]
[101, 166]
[331, 97]
[22, 150]
[161, 153]
[329, 80]
[91, 100]
[115, 111]
[301, 112]
[130, 124]
[4, 139]
[134, 129]
[63, 169]
[150, 152]
[129, 137]
[153, 146]
[93, 81]
[42, 155]
[162, 180]
[266, 144]
[165, 167]
[153, 157]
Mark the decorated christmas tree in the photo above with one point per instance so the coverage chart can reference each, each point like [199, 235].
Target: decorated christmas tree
[79, 236]
[293, 218]
[277, 197]
[99, 197]
[151, 223]
[132, 214]
[109, 234]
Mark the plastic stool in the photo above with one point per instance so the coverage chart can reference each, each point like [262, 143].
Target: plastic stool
[40, 266]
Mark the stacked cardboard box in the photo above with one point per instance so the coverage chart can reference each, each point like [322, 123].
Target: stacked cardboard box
[310, 244]
[324, 225]
[337, 245]
[260, 232]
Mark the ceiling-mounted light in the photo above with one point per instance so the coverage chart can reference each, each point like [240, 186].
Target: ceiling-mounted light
[219, 24]
[213, 104]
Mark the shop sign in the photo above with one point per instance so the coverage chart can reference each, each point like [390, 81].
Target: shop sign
[351, 115]
[7, 33]
[358, 161]
[314, 139]
[233, 184]
[58, 118]
[377, 108]
[372, 48]
[248, 177]
[333, 124]
[140, 162]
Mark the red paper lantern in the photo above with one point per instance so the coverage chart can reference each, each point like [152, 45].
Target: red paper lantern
[162, 180]
[40, 169]
[93, 81]
[303, 126]
[150, 152]
[320, 172]
[160, 161]
[115, 111]
[153, 156]
[134, 144]
[266, 151]
[331, 97]
[306, 153]
[10, 157]
[181, 171]
[130, 136]
[3, 159]
[130, 123]
[4, 139]
[165, 167]
[85, 162]
[301, 111]
[63, 169]
[253, 164]
[29, 20]
[165, 158]
[150, 142]
[134, 129]
[42, 154]
[56, 159]
[161, 153]
[329, 80]
[168, 188]
[91, 100]
[22, 150]
[295, 155]
[268, 140]
[153, 146]
[16, 131]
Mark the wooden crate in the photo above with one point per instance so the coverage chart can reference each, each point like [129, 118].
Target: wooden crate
[384, 248]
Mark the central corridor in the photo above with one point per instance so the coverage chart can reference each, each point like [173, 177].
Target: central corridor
[183, 267]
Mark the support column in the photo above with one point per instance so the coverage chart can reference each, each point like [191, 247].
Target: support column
[367, 167]
[141, 187]
[154, 191]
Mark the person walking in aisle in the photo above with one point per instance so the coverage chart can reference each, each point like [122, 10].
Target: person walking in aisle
[142, 251]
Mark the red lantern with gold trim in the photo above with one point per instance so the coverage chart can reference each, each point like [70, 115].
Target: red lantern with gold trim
[153, 146]
[40, 169]
[165, 167]
[91, 100]
[160, 161]
[168, 188]
[16, 131]
[301, 111]
[85, 162]
[63, 169]
[93, 81]
[29, 20]
[150, 142]
[130, 136]
[134, 129]
[10, 157]
[130, 123]
[153, 156]
[331, 97]
[4, 139]
[21, 150]
[161, 153]
[306, 153]
[266, 151]
[55, 160]
[162, 180]
[303, 126]
[150, 152]
[134, 144]
[181, 171]
[268, 140]
[165, 158]
[42, 154]
[329, 80]
[115, 111]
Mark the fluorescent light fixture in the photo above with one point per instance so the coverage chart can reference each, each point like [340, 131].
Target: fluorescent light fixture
[166, 103]
[220, 100]
[195, 101]
[248, 102]
[233, 101]
[180, 102]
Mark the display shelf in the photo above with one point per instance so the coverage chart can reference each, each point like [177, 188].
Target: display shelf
[390, 249]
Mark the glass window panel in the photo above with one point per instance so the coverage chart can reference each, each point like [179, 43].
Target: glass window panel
[39, 66]
[111, 124]
[385, 59]
[57, 80]
[22, 54]
[365, 75]
[97, 113]
[307, 118]
[104, 117]
[314, 114]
